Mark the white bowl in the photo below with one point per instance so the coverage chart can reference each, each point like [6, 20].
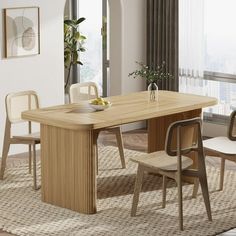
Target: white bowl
[100, 107]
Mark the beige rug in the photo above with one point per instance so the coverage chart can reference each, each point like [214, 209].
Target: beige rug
[23, 213]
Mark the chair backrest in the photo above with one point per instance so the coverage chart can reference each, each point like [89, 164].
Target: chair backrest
[183, 137]
[83, 91]
[232, 127]
[19, 102]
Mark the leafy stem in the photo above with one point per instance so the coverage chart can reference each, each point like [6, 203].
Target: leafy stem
[151, 73]
[73, 45]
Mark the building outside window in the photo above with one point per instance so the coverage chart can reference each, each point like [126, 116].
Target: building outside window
[220, 53]
[219, 58]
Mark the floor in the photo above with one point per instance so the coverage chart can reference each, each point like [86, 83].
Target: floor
[136, 140]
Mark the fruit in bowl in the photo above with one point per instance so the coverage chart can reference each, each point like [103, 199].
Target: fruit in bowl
[99, 104]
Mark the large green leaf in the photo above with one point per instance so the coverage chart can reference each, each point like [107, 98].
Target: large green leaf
[73, 42]
[67, 60]
[69, 23]
[77, 36]
[82, 37]
[80, 20]
[75, 57]
[82, 49]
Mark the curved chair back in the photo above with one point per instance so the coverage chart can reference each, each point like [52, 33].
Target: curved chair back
[19, 102]
[232, 127]
[183, 137]
[83, 91]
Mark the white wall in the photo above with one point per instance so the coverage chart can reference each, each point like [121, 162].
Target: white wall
[42, 73]
[127, 45]
[134, 43]
[116, 46]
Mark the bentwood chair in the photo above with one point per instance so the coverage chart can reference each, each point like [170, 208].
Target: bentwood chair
[89, 90]
[15, 104]
[223, 147]
[182, 138]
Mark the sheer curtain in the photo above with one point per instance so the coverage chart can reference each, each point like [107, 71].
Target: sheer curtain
[191, 46]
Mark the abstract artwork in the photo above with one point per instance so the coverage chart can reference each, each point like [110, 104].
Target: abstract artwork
[21, 31]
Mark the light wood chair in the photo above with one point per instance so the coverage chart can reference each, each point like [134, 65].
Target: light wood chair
[15, 104]
[223, 147]
[182, 138]
[87, 91]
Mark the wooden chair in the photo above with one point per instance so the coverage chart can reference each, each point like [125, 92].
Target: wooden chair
[89, 90]
[182, 138]
[223, 147]
[15, 104]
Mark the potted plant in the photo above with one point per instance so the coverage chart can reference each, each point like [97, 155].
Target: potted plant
[152, 75]
[73, 45]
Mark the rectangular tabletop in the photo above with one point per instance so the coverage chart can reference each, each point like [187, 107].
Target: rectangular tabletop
[125, 109]
[69, 134]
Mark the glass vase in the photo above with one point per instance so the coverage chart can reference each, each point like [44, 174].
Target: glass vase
[152, 92]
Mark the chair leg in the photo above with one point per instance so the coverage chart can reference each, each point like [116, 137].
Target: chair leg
[164, 191]
[204, 186]
[5, 151]
[120, 146]
[205, 193]
[137, 189]
[222, 173]
[195, 187]
[180, 200]
[30, 159]
[35, 168]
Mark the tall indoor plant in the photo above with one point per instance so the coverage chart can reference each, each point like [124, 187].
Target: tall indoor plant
[152, 76]
[73, 45]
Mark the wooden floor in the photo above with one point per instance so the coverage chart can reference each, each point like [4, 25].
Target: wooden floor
[136, 140]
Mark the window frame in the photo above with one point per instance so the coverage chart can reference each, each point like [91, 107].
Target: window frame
[221, 77]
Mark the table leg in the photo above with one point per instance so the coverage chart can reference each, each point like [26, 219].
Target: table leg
[157, 128]
[68, 168]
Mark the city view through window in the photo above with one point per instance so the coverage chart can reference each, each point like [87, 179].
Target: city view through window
[220, 54]
[91, 28]
[220, 51]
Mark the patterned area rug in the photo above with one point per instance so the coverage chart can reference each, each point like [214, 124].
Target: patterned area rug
[23, 213]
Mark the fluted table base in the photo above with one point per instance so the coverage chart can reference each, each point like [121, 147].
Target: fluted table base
[69, 168]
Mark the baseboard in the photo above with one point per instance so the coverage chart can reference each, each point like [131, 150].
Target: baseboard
[214, 130]
[23, 154]
[134, 126]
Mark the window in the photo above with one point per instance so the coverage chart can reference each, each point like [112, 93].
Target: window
[95, 58]
[219, 57]
[220, 36]
[91, 28]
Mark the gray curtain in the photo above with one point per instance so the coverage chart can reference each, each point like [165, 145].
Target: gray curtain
[162, 39]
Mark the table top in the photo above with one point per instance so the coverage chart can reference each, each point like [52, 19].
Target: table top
[125, 109]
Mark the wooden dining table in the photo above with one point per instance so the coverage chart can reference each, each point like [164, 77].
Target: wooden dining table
[69, 132]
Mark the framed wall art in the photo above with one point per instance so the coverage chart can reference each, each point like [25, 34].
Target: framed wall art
[22, 36]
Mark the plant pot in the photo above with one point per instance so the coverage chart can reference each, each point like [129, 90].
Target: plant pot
[66, 98]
